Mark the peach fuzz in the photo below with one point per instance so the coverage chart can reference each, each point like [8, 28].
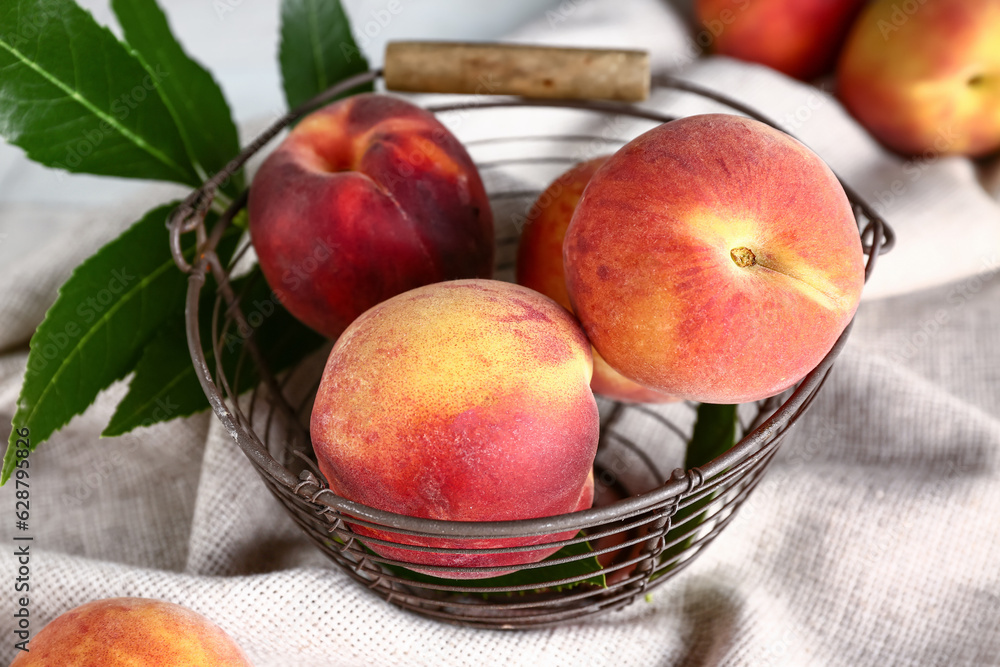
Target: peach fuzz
[540, 267]
[924, 77]
[800, 38]
[714, 258]
[365, 199]
[131, 632]
[465, 401]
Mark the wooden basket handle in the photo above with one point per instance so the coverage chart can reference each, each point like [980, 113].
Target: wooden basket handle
[515, 69]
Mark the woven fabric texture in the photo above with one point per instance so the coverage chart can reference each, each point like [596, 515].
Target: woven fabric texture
[872, 540]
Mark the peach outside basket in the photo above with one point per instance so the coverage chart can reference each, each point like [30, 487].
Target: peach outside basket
[648, 522]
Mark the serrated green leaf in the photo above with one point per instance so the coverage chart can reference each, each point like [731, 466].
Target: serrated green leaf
[528, 577]
[74, 98]
[162, 387]
[192, 96]
[93, 334]
[317, 49]
[165, 385]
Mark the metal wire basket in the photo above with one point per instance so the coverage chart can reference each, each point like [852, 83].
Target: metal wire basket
[647, 524]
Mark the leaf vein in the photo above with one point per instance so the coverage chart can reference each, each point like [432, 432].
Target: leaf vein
[316, 46]
[99, 325]
[92, 108]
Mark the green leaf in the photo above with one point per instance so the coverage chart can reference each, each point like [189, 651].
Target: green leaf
[165, 385]
[192, 96]
[93, 334]
[714, 435]
[74, 98]
[527, 577]
[317, 49]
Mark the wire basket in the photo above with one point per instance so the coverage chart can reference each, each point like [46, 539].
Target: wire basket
[647, 523]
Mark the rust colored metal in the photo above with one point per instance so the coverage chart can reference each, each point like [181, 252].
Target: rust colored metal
[651, 524]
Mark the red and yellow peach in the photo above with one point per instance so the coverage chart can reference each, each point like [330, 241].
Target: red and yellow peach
[464, 401]
[798, 37]
[924, 77]
[131, 632]
[714, 258]
[365, 199]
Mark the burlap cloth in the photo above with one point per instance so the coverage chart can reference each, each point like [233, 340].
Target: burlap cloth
[873, 540]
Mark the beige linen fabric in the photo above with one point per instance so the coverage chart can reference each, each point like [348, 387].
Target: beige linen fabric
[873, 539]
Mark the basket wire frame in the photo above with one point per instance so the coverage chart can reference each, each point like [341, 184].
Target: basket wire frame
[645, 534]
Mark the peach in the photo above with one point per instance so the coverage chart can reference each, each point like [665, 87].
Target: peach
[540, 267]
[365, 199]
[466, 401]
[131, 632]
[924, 77]
[798, 37]
[714, 258]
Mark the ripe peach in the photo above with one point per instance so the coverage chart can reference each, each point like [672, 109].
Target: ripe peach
[365, 199]
[798, 37]
[540, 267]
[131, 632]
[925, 76]
[714, 258]
[466, 401]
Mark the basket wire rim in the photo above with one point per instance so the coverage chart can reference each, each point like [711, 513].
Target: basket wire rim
[752, 447]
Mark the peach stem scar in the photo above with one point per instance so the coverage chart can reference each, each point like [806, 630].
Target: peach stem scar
[743, 257]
